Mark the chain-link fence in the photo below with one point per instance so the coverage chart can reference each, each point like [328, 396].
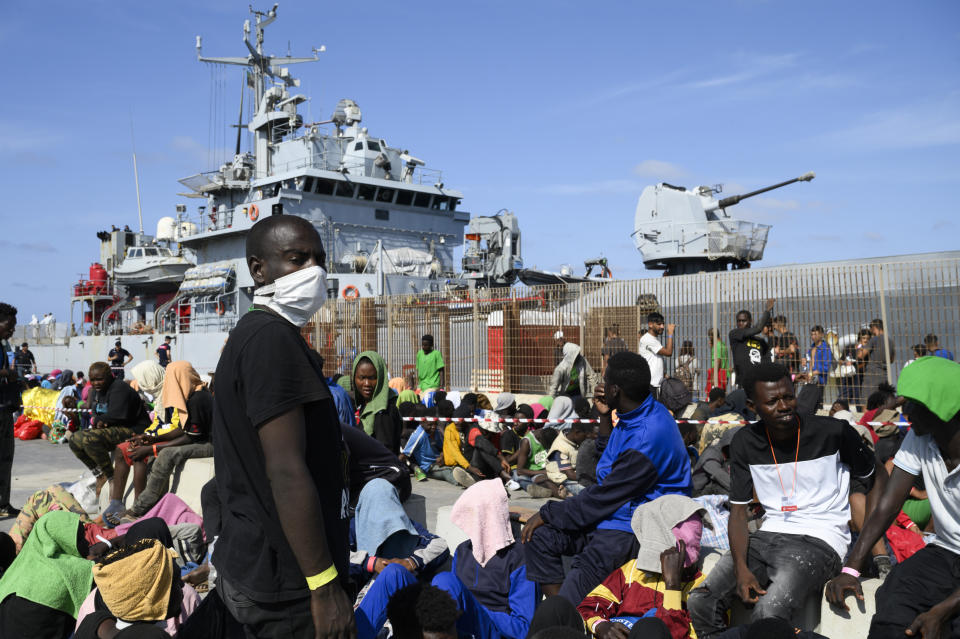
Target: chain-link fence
[510, 339]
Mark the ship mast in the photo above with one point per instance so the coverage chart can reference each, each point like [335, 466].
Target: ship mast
[260, 67]
[136, 176]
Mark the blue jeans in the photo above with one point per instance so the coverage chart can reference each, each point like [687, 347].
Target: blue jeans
[371, 614]
[476, 620]
[789, 567]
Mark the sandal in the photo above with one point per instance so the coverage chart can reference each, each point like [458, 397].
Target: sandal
[114, 514]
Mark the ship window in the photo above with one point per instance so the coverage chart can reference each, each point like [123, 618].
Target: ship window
[381, 214]
[308, 184]
[358, 146]
[345, 189]
[366, 191]
[385, 195]
[440, 203]
[373, 146]
[422, 199]
[324, 187]
[453, 203]
[150, 251]
[405, 198]
[136, 253]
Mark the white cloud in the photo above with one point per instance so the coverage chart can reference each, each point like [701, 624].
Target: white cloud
[754, 66]
[915, 126]
[660, 170]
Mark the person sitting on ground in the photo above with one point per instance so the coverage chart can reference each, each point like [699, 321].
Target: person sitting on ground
[711, 473]
[506, 406]
[41, 591]
[376, 403]
[512, 434]
[658, 581]
[921, 595]
[488, 577]
[119, 414]
[421, 611]
[461, 471]
[573, 376]
[587, 458]
[531, 463]
[145, 530]
[390, 549]
[642, 459]
[559, 413]
[425, 448]
[477, 447]
[368, 460]
[804, 535]
[183, 392]
[561, 465]
[883, 399]
[676, 397]
[733, 412]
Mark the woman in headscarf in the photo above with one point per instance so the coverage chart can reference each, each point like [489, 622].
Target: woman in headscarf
[139, 534]
[488, 578]
[42, 590]
[390, 548]
[573, 376]
[376, 402]
[185, 395]
[147, 380]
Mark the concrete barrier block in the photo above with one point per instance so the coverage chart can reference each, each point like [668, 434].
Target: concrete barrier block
[852, 624]
[445, 528]
[189, 478]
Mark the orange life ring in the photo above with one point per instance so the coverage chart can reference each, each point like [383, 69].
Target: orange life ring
[350, 292]
[254, 212]
[220, 308]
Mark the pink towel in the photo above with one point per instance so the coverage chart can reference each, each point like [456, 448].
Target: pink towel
[484, 514]
[172, 510]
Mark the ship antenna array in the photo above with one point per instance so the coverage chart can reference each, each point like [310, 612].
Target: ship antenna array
[136, 175]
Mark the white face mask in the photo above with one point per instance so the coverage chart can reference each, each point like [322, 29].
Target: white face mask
[295, 297]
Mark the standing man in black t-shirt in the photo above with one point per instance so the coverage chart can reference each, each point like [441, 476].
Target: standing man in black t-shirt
[283, 553]
[24, 360]
[163, 352]
[119, 357]
[748, 348]
[9, 402]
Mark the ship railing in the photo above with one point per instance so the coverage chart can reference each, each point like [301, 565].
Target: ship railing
[209, 313]
[33, 334]
[331, 162]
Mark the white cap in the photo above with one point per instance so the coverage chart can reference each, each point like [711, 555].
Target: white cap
[558, 335]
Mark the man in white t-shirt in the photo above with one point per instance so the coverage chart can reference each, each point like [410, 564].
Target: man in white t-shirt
[921, 595]
[653, 351]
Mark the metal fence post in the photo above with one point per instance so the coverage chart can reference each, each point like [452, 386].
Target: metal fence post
[715, 362]
[390, 334]
[886, 326]
[474, 368]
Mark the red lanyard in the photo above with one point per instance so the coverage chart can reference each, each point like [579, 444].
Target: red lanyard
[795, 460]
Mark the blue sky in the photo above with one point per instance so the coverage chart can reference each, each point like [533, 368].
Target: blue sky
[559, 111]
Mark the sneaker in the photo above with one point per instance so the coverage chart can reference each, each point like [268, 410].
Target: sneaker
[883, 566]
[419, 474]
[463, 478]
[8, 512]
[512, 485]
[540, 492]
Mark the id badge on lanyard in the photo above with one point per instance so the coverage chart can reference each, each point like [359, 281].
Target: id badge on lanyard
[788, 504]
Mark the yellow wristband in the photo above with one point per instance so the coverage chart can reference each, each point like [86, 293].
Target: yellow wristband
[322, 579]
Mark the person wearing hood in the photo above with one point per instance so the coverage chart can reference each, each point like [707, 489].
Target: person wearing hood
[389, 548]
[642, 458]
[184, 393]
[376, 402]
[283, 551]
[41, 591]
[653, 587]
[711, 473]
[921, 596]
[488, 577]
[573, 376]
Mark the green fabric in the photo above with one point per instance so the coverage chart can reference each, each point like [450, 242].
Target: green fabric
[546, 401]
[408, 395]
[428, 369]
[381, 394]
[573, 388]
[918, 510]
[720, 353]
[49, 569]
[538, 454]
[344, 382]
[932, 381]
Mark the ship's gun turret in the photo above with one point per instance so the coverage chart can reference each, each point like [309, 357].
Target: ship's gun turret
[736, 199]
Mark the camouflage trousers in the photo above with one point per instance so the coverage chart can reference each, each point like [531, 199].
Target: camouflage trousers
[93, 447]
[55, 497]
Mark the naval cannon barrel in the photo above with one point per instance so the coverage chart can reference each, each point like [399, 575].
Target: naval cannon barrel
[735, 199]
